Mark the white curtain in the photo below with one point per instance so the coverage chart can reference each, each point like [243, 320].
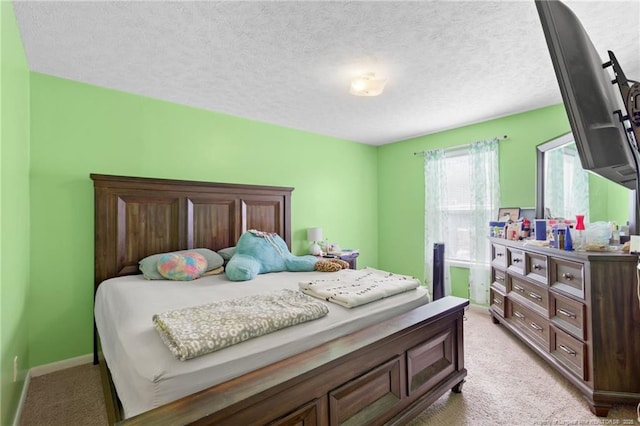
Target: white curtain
[436, 218]
[485, 198]
[483, 204]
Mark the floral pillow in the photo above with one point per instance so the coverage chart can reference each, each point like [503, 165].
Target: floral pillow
[183, 266]
[149, 265]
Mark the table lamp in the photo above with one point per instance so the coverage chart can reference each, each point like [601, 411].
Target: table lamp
[315, 235]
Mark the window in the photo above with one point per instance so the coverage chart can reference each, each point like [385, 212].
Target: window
[459, 207]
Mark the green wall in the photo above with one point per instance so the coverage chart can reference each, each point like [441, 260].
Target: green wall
[78, 129]
[401, 182]
[14, 210]
[608, 201]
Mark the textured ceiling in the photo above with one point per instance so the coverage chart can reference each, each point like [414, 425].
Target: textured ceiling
[289, 63]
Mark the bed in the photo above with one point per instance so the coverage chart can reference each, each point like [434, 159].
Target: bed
[384, 367]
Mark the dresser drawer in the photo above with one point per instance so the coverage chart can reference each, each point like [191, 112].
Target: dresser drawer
[569, 351]
[567, 276]
[568, 314]
[499, 279]
[537, 268]
[497, 301]
[533, 293]
[499, 255]
[516, 261]
[532, 324]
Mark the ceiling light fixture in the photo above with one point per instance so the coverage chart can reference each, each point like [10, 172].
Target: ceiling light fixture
[367, 85]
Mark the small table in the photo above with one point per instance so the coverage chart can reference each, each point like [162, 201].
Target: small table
[350, 258]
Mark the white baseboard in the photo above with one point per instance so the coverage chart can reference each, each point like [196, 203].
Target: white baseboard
[46, 369]
[61, 365]
[23, 400]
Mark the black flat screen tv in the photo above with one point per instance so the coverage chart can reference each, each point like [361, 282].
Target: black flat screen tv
[590, 98]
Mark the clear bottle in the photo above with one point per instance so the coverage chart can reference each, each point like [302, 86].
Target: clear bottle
[579, 240]
[615, 234]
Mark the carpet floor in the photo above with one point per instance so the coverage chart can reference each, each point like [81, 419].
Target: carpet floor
[507, 384]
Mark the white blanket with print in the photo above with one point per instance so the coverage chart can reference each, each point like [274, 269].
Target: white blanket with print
[351, 288]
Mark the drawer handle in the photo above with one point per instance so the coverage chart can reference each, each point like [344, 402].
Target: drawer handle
[568, 350]
[535, 296]
[537, 267]
[567, 313]
[516, 260]
[518, 288]
[535, 326]
[518, 314]
[500, 279]
[497, 301]
[567, 276]
[499, 254]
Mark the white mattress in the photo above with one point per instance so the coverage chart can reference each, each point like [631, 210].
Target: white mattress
[147, 375]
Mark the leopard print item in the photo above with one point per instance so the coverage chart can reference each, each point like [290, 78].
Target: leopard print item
[331, 265]
[327, 266]
[343, 263]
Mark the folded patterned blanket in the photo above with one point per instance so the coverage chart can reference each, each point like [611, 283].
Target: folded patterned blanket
[198, 330]
[351, 288]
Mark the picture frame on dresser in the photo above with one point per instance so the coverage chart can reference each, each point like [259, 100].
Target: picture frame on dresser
[505, 214]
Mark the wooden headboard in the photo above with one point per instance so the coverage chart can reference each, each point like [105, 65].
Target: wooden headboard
[136, 217]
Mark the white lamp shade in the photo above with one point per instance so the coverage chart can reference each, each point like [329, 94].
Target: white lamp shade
[314, 234]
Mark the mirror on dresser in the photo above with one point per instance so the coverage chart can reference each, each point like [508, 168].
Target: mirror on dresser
[564, 189]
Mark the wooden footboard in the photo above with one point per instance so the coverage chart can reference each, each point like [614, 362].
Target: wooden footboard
[384, 374]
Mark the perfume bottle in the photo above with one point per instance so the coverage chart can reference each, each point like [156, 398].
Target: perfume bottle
[560, 240]
[579, 240]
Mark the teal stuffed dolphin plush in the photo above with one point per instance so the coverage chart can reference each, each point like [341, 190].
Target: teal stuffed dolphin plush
[260, 252]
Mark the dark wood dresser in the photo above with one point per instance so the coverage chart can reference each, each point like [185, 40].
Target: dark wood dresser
[578, 310]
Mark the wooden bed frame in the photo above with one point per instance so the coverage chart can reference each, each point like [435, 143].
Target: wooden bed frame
[384, 374]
